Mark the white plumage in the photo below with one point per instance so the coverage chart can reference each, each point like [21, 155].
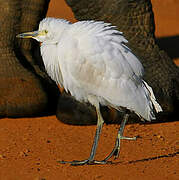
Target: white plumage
[94, 60]
[91, 60]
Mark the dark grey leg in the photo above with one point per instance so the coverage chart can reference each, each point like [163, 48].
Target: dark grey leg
[116, 149]
[90, 160]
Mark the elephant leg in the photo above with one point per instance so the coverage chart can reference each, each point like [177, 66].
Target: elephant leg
[71, 111]
[21, 90]
[32, 12]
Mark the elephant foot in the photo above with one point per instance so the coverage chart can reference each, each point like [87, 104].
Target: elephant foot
[71, 111]
[23, 92]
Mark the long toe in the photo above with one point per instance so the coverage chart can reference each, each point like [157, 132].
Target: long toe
[128, 138]
[84, 162]
[75, 162]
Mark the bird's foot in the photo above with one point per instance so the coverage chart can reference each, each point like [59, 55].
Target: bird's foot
[116, 150]
[128, 138]
[75, 162]
[115, 153]
[84, 162]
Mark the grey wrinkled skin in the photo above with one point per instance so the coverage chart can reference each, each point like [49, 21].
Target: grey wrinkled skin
[25, 89]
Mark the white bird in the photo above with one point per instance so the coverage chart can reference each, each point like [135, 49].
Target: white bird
[91, 60]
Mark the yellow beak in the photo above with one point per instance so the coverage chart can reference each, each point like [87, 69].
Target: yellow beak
[29, 34]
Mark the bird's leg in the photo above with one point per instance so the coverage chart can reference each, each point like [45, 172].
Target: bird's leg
[116, 149]
[97, 135]
[91, 160]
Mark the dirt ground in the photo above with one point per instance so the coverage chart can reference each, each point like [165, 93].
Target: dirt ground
[31, 147]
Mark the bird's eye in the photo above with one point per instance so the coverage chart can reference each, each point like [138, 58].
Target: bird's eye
[43, 32]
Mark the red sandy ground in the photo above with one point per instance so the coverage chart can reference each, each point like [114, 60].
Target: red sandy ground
[30, 147]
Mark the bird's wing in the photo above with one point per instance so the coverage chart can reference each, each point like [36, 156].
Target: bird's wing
[95, 61]
[93, 37]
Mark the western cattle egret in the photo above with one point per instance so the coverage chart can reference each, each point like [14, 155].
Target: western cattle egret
[91, 60]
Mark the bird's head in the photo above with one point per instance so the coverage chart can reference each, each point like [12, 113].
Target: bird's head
[50, 30]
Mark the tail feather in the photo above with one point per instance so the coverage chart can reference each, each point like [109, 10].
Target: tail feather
[156, 105]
